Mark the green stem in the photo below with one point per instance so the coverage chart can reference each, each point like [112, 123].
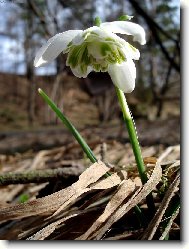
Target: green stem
[70, 127]
[135, 143]
[132, 135]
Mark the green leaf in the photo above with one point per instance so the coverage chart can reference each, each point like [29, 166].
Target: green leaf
[70, 127]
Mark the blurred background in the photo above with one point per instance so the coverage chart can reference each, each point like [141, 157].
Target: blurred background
[91, 104]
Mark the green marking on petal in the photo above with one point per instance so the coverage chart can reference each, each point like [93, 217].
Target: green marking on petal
[70, 44]
[110, 39]
[121, 55]
[97, 51]
[94, 33]
[111, 59]
[85, 57]
[78, 54]
[74, 56]
[133, 48]
[97, 67]
[105, 47]
[83, 68]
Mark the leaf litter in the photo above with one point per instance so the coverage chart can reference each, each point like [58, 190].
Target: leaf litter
[90, 207]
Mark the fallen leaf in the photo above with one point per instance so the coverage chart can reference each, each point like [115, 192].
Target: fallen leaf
[136, 198]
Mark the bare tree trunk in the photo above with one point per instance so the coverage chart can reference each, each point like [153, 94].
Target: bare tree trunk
[55, 97]
[29, 68]
[31, 94]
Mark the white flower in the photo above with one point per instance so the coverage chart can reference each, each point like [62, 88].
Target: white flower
[98, 49]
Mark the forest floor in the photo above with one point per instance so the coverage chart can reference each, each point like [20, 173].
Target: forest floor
[165, 132]
[50, 190]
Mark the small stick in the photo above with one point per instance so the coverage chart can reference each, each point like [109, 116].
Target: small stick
[39, 176]
[103, 150]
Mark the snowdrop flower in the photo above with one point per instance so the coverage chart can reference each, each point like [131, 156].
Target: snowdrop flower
[98, 49]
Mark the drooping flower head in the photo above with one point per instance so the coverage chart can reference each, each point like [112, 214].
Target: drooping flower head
[97, 49]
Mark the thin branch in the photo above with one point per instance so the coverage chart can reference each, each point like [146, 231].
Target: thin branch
[39, 176]
[165, 86]
[156, 25]
[153, 26]
[8, 34]
[53, 17]
[41, 17]
[74, 10]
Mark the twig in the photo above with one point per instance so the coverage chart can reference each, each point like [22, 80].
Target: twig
[39, 176]
[154, 27]
[35, 9]
[165, 154]
[103, 150]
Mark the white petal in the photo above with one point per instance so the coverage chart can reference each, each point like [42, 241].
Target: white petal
[130, 52]
[99, 33]
[77, 72]
[54, 47]
[78, 39]
[96, 30]
[128, 28]
[94, 49]
[123, 75]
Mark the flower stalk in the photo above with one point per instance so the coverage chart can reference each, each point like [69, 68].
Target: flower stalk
[132, 135]
[135, 144]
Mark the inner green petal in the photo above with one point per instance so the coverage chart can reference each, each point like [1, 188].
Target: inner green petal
[97, 51]
[133, 48]
[105, 47]
[78, 54]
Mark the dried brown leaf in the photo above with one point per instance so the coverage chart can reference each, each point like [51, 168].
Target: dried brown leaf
[152, 227]
[125, 189]
[172, 152]
[136, 198]
[126, 235]
[12, 192]
[109, 182]
[46, 231]
[55, 200]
